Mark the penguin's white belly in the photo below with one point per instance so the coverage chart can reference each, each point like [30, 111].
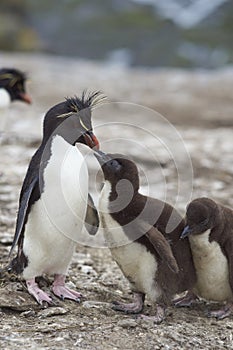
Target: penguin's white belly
[212, 269]
[139, 267]
[5, 99]
[57, 218]
[136, 262]
[4, 104]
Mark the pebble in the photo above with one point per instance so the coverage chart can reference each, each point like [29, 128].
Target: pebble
[127, 323]
[28, 313]
[95, 304]
[229, 326]
[15, 299]
[53, 311]
[87, 269]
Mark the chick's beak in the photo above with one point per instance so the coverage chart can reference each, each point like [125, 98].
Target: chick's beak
[91, 140]
[186, 232]
[25, 97]
[101, 157]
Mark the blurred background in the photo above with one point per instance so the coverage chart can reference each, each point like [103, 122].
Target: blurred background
[155, 33]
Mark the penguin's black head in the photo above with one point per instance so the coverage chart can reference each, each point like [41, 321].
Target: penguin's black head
[200, 216]
[117, 167]
[13, 81]
[71, 119]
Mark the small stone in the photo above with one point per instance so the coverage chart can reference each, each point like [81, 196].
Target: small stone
[28, 313]
[127, 323]
[95, 304]
[59, 339]
[53, 311]
[87, 269]
[14, 299]
[78, 341]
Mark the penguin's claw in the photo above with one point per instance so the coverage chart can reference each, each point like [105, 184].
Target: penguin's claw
[226, 311]
[63, 292]
[157, 318]
[41, 297]
[132, 308]
[186, 301]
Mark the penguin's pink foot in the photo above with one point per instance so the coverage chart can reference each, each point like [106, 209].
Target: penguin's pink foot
[220, 314]
[40, 296]
[189, 299]
[157, 318]
[63, 292]
[132, 308]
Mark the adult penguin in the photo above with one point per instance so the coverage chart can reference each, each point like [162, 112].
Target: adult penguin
[12, 88]
[54, 196]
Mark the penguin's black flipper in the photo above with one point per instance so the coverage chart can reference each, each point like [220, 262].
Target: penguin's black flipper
[163, 248]
[23, 209]
[92, 217]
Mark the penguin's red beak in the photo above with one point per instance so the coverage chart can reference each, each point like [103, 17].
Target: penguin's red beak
[91, 140]
[25, 97]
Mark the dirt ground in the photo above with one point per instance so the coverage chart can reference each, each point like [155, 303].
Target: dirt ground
[185, 154]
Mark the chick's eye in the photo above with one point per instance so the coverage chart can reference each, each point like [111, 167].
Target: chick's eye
[115, 164]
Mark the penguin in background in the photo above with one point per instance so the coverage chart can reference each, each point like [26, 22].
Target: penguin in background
[54, 197]
[209, 228]
[12, 88]
[143, 235]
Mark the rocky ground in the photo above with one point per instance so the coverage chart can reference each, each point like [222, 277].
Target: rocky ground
[185, 154]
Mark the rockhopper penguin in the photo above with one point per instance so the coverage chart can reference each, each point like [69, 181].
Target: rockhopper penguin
[209, 227]
[53, 198]
[143, 236]
[12, 88]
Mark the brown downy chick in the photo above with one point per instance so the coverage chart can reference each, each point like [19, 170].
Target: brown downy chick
[143, 236]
